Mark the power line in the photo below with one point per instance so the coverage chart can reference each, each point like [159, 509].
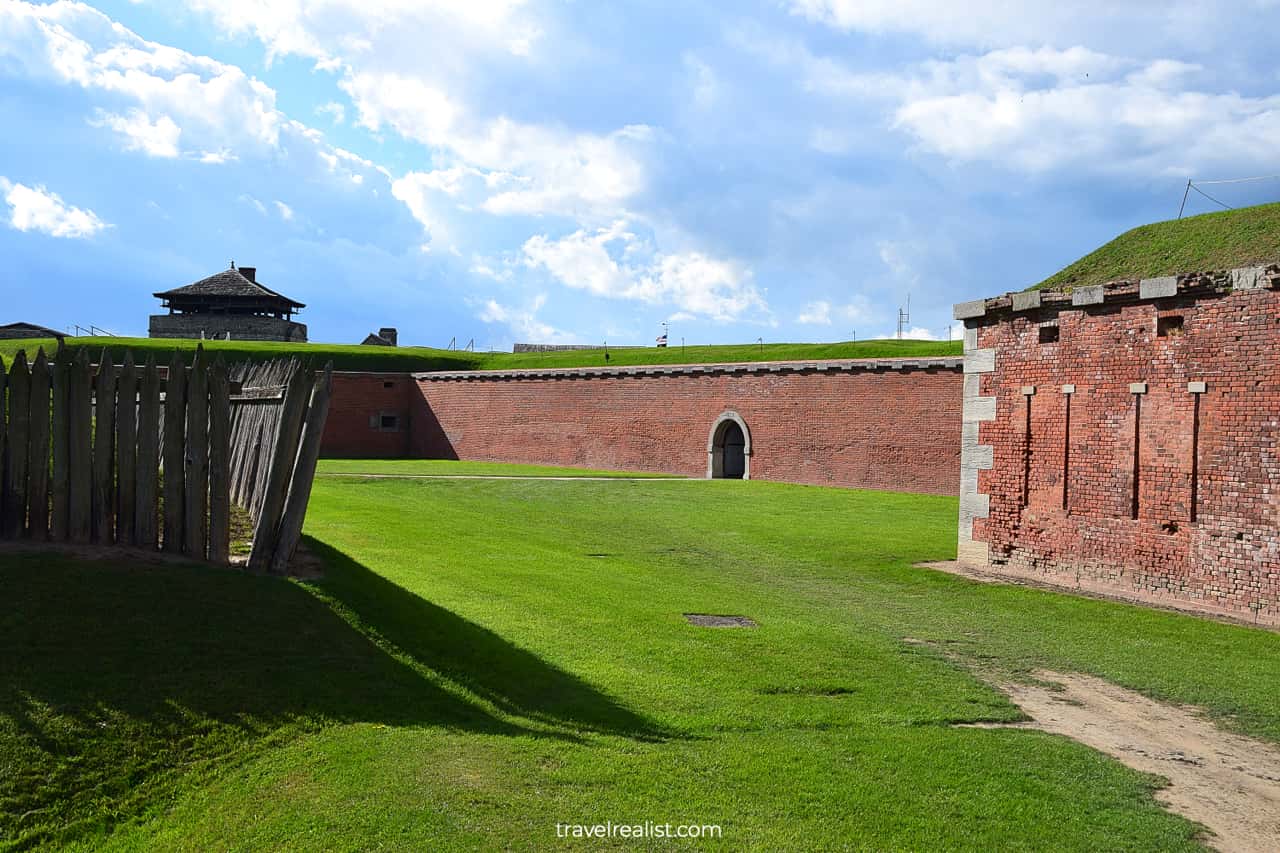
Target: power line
[1211, 198]
[1195, 185]
[1241, 180]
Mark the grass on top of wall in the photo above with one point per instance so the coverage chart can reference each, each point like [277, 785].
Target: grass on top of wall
[1212, 241]
[484, 659]
[408, 359]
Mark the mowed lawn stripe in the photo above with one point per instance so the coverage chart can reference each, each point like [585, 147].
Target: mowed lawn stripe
[494, 657]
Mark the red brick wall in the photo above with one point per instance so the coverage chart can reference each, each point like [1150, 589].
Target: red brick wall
[883, 429]
[1222, 552]
[359, 400]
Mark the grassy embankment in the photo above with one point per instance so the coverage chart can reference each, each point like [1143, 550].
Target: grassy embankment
[385, 359]
[1212, 241]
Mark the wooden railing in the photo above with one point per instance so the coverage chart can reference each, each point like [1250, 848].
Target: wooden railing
[88, 455]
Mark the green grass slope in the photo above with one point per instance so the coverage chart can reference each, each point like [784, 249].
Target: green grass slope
[457, 683]
[393, 359]
[1212, 241]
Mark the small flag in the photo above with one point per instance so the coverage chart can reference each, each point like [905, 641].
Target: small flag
[662, 340]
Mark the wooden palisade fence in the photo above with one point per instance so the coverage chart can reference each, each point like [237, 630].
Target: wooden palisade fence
[152, 458]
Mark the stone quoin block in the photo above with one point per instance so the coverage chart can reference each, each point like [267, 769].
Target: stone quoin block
[980, 361]
[1026, 300]
[979, 409]
[1088, 295]
[969, 310]
[1158, 288]
[1249, 278]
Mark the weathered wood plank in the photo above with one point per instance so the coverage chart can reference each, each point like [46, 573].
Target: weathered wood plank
[195, 541]
[175, 419]
[219, 463]
[59, 437]
[15, 458]
[304, 473]
[38, 449]
[268, 427]
[79, 453]
[267, 531]
[104, 451]
[148, 461]
[126, 450]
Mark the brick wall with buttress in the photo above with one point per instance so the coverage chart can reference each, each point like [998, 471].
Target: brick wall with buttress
[1132, 443]
[893, 427]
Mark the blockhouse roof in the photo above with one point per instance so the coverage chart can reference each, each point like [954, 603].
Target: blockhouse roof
[229, 284]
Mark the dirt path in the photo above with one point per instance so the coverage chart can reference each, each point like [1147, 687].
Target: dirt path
[1227, 782]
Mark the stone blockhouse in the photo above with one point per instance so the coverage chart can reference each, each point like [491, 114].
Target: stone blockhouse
[231, 304]
[385, 337]
[1122, 438]
[16, 331]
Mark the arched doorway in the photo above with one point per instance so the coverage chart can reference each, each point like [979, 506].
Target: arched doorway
[729, 449]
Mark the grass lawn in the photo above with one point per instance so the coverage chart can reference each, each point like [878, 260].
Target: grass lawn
[454, 468]
[1227, 239]
[385, 359]
[486, 658]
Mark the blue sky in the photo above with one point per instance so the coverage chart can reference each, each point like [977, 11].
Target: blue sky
[519, 170]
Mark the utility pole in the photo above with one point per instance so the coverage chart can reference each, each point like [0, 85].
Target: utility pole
[904, 317]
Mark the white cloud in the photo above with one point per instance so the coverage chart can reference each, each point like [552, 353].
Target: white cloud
[1048, 109]
[524, 322]
[157, 138]
[816, 313]
[524, 168]
[332, 30]
[703, 83]
[216, 106]
[491, 268]
[614, 263]
[990, 23]
[336, 112]
[917, 333]
[376, 46]
[217, 157]
[253, 202]
[1042, 109]
[37, 209]
[285, 211]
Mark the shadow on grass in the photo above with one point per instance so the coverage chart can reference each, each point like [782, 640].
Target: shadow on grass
[123, 685]
[515, 681]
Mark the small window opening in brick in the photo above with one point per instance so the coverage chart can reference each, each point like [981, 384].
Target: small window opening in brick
[389, 422]
[1169, 327]
[1048, 334]
[388, 384]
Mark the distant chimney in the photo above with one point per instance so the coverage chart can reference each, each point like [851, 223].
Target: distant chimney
[249, 273]
[388, 335]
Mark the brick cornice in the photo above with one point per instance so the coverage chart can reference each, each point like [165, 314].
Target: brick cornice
[757, 367]
[1195, 285]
